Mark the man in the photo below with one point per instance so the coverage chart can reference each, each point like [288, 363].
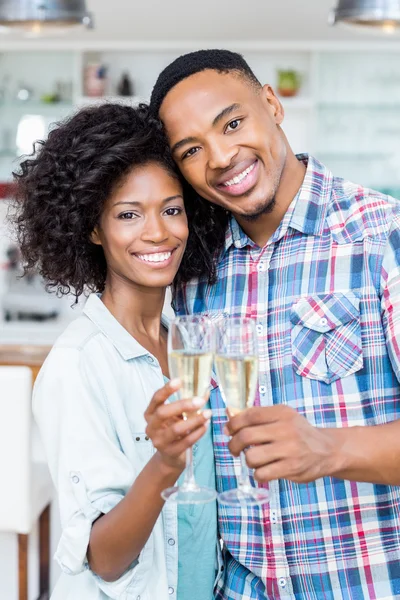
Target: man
[315, 260]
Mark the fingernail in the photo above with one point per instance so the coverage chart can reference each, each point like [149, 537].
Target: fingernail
[225, 430]
[207, 423]
[207, 414]
[197, 401]
[175, 382]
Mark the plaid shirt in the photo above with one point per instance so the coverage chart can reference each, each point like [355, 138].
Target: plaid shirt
[325, 293]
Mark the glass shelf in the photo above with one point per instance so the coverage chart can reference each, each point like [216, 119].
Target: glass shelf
[358, 105]
[35, 105]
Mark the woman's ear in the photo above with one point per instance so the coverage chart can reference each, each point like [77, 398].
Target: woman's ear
[95, 237]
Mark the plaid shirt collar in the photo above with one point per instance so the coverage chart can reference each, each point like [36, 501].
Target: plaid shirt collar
[306, 212]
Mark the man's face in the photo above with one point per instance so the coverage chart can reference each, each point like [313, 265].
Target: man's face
[225, 138]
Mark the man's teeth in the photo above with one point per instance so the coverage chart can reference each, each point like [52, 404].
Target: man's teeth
[241, 176]
[156, 257]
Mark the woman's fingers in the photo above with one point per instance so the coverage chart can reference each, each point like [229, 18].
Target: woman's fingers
[178, 447]
[162, 395]
[177, 431]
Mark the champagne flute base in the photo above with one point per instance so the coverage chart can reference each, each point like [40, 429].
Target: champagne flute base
[249, 496]
[192, 494]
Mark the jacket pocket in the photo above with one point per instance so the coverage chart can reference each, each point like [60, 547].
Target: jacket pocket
[326, 336]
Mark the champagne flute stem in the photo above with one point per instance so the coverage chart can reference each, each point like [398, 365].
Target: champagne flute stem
[244, 483]
[189, 480]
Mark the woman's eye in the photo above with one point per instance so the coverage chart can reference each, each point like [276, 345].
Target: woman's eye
[190, 152]
[127, 215]
[233, 124]
[172, 212]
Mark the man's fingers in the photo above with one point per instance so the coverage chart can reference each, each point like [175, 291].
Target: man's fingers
[257, 415]
[249, 436]
[265, 454]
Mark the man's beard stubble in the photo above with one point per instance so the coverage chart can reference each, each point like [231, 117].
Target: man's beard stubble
[264, 210]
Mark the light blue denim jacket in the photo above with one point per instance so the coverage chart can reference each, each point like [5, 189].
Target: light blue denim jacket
[89, 400]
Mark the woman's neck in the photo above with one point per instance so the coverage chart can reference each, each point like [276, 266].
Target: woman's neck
[138, 310]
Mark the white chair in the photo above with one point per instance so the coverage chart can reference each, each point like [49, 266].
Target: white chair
[29, 489]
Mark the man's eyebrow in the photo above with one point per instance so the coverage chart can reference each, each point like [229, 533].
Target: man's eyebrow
[187, 140]
[225, 112]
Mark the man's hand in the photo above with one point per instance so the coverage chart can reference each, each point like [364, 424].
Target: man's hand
[281, 444]
[170, 433]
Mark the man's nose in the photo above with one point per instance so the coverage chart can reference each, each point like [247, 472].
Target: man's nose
[220, 156]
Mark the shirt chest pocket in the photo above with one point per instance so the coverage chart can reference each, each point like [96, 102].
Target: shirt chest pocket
[326, 336]
[143, 446]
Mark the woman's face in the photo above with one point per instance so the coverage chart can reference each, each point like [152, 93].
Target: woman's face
[143, 228]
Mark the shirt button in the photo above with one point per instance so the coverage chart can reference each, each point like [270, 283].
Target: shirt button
[138, 598]
[171, 542]
[262, 389]
[324, 321]
[282, 582]
[170, 590]
[150, 359]
[75, 479]
[274, 516]
[259, 329]
[261, 266]
[195, 447]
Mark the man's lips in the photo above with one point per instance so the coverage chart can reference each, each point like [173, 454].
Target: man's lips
[235, 171]
[241, 183]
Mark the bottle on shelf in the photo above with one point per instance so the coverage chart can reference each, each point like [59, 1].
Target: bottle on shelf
[125, 86]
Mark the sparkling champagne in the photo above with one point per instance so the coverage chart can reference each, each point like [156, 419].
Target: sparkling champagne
[237, 377]
[193, 369]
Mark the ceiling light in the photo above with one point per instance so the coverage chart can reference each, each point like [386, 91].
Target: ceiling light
[36, 14]
[383, 14]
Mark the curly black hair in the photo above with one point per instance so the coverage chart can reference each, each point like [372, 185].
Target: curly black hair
[62, 186]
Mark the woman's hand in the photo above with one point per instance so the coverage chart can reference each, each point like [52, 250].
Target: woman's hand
[171, 433]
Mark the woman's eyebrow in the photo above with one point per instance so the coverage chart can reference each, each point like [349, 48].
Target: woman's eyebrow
[137, 203]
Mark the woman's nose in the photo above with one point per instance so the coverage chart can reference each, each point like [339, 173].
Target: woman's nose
[154, 230]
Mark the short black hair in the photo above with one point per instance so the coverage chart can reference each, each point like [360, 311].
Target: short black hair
[223, 61]
[63, 186]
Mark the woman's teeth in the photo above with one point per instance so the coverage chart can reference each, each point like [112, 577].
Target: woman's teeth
[156, 257]
[240, 177]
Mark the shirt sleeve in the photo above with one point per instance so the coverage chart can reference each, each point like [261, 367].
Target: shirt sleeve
[390, 302]
[88, 467]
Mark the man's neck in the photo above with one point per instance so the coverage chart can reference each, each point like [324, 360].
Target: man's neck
[261, 229]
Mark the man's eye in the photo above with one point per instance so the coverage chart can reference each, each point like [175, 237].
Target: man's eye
[190, 152]
[233, 124]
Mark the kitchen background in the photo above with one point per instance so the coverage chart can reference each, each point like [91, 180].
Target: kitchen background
[340, 89]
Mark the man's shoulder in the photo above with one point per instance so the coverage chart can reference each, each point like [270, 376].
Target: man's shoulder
[356, 212]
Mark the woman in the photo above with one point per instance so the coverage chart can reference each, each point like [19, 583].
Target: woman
[100, 208]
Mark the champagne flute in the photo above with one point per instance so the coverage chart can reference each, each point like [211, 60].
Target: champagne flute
[236, 364]
[190, 357]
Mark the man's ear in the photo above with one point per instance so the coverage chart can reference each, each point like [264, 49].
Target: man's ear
[273, 102]
[95, 237]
